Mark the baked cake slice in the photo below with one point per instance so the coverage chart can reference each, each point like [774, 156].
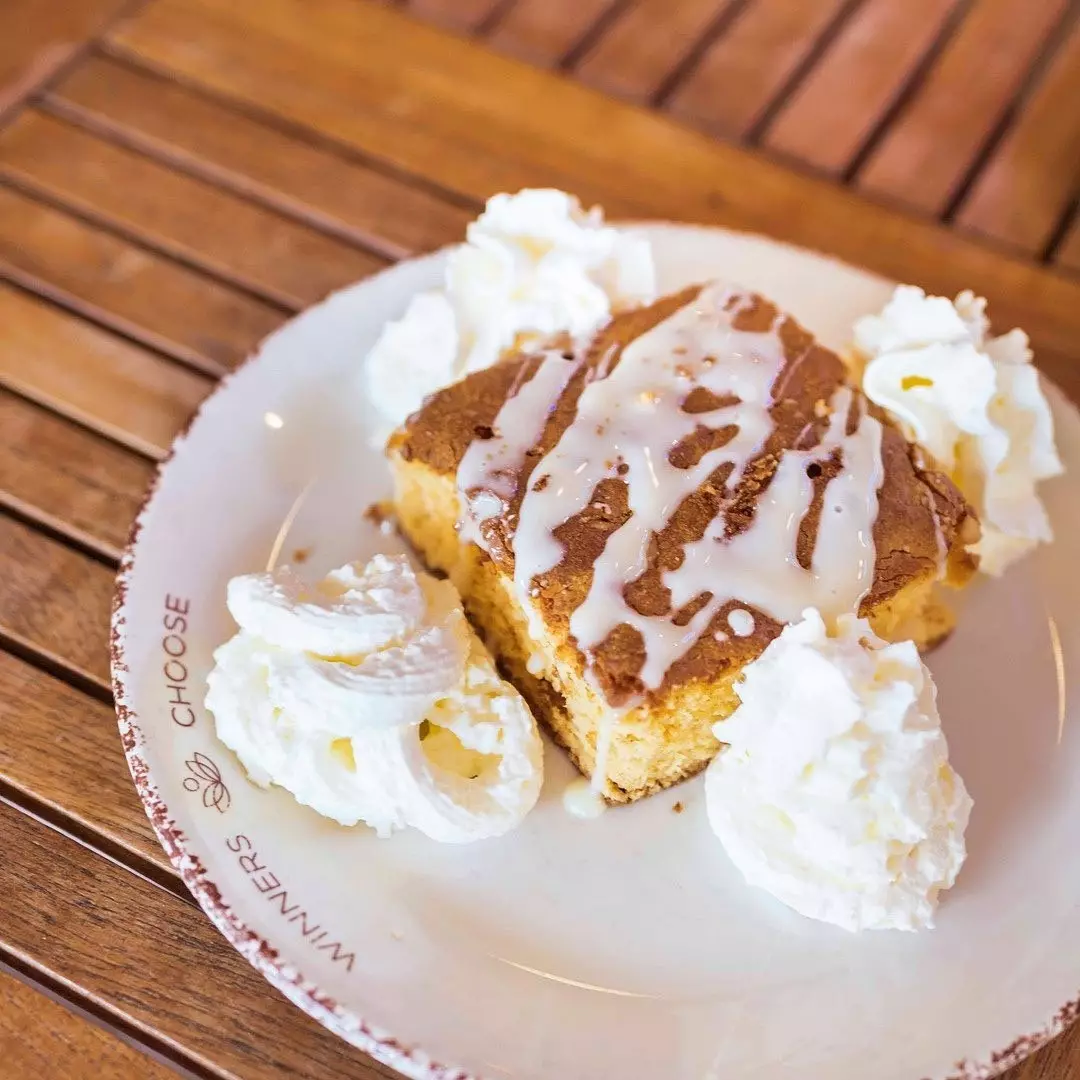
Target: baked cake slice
[632, 521]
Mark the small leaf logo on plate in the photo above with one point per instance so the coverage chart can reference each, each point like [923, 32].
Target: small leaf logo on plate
[206, 777]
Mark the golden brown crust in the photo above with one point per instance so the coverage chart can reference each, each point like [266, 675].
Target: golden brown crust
[919, 509]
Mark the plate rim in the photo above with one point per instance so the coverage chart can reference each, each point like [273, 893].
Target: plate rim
[410, 1060]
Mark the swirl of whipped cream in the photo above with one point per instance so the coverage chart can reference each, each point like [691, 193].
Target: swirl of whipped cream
[534, 265]
[834, 791]
[369, 698]
[974, 402]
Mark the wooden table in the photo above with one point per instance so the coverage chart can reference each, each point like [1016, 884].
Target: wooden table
[177, 177]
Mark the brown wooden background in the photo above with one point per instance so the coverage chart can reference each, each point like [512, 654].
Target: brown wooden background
[177, 177]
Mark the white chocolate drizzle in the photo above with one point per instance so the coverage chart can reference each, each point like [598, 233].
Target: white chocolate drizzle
[488, 474]
[632, 420]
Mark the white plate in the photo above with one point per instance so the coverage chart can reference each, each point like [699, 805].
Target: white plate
[625, 947]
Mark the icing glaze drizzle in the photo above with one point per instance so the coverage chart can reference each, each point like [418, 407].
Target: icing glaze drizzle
[630, 421]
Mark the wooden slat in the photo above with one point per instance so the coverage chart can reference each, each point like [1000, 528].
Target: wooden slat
[1021, 194]
[1068, 255]
[37, 39]
[169, 972]
[40, 1038]
[544, 31]
[60, 748]
[65, 476]
[92, 376]
[1059, 1060]
[55, 600]
[347, 72]
[748, 66]
[455, 14]
[136, 291]
[830, 117]
[56, 605]
[285, 261]
[641, 49]
[293, 174]
[929, 149]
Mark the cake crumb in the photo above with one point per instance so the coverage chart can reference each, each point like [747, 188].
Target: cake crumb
[381, 515]
[678, 808]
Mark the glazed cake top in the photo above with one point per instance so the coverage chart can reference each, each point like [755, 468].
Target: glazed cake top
[669, 494]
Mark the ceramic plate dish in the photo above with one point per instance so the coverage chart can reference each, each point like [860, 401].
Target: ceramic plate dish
[626, 947]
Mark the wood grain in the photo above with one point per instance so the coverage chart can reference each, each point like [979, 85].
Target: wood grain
[133, 290]
[544, 31]
[1020, 196]
[455, 14]
[745, 70]
[931, 146]
[73, 481]
[60, 748]
[504, 125]
[37, 38]
[1068, 255]
[41, 1038]
[169, 972]
[282, 260]
[644, 45]
[1058, 1060]
[55, 600]
[94, 377]
[830, 117]
[293, 174]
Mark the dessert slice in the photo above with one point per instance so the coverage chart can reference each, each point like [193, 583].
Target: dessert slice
[633, 521]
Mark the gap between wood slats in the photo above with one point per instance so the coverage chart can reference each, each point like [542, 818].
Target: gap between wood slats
[1070, 217]
[55, 606]
[251, 110]
[156, 963]
[58, 529]
[262, 250]
[121, 397]
[70, 998]
[200, 169]
[1032, 173]
[60, 754]
[44, 659]
[67, 43]
[750, 69]
[57, 820]
[878, 53]
[593, 33]
[103, 222]
[137, 335]
[128, 288]
[908, 87]
[1067, 255]
[723, 21]
[44, 1034]
[1009, 115]
[185, 295]
[545, 32]
[932, 145]
[54, 469]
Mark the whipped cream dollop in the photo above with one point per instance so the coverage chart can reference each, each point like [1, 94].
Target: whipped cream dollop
[834, 791]
[533, 265]
[974, 401]
[369, 698]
